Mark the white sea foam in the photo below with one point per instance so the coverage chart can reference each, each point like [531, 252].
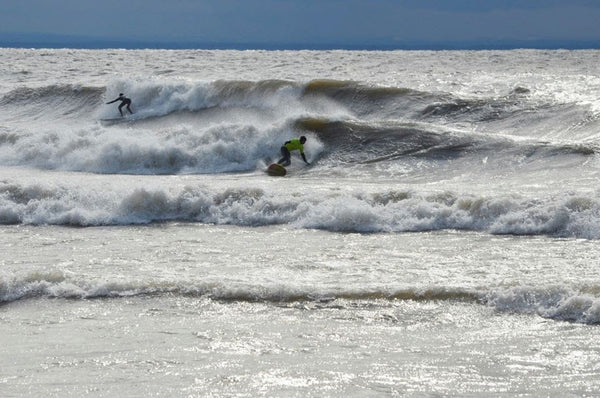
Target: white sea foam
[351, 210]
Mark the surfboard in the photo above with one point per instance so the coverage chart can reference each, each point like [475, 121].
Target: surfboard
[115, 120]
[119, 120]
[276, 170]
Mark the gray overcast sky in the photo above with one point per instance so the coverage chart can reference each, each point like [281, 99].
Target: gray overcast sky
[306, 21]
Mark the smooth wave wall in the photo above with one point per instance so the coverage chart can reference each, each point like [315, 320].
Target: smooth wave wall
[50, 103]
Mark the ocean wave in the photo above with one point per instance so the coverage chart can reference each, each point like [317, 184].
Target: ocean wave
[243, 146]
[228, 126]
[385, 211]
[220, 148]
[550, 302]
[365, 99]
[150, 98]
[355, 141]
[56, 284]
[156, 97]
[50, 102]
[23, 96]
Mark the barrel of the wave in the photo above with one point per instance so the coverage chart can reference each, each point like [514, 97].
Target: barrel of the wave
[276, 170]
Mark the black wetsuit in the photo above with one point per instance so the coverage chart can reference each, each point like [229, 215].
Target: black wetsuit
[124, 102]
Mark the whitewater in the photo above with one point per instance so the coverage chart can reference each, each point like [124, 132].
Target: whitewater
[442, 241]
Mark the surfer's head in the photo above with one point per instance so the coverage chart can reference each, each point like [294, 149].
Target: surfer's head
[120, 94]
[302, 139]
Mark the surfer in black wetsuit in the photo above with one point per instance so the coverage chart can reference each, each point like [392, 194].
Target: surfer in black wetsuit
[124, 102]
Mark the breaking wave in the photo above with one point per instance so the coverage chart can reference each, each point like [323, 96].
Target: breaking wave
[558, 304]
[237, 126]
[383, 211]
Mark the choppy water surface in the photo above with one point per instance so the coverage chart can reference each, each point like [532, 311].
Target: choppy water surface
[442, 241]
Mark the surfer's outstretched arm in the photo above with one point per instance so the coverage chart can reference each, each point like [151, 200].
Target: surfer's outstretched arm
[113, 101]
[304, 158]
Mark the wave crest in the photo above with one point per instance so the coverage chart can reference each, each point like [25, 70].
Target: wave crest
[558, 304]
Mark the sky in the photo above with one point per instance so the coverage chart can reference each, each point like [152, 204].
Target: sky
[308, 22]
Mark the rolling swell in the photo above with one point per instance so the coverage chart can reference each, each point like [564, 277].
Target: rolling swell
[160, 98]
[322, 98]
[352, 141]
[369, 101]
[370, 142]
[57, 99]
[57, 284]
[558, 304]
[24, 95]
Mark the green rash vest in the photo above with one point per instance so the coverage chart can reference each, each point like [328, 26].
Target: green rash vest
[294, 144]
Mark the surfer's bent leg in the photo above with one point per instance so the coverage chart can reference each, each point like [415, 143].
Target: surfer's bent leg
[128, 103]
[285, 160]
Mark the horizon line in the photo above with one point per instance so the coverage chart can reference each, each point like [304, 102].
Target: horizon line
[12, 40]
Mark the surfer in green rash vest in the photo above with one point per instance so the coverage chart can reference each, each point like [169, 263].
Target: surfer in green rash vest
[295, 144]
